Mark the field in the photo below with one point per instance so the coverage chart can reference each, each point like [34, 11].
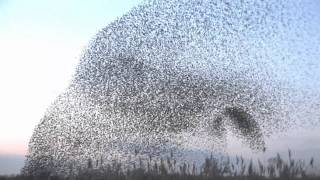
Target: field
[228, 168]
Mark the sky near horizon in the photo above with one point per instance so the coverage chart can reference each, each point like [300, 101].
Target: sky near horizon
[40, 45]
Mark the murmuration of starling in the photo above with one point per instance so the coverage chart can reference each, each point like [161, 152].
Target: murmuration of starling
[171, 71]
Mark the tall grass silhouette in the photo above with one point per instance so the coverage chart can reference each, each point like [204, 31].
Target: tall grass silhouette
[213, 167]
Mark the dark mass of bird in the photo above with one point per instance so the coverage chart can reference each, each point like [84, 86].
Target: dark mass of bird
[171, 72]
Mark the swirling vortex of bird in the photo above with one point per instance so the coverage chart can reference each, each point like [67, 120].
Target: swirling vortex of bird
[172, 75]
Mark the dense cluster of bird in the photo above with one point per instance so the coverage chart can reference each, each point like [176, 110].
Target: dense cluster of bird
[175, 73]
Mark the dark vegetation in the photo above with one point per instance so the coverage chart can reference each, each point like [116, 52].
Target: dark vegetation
[225, 168]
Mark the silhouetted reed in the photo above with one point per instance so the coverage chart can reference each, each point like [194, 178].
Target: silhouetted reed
[213, 167]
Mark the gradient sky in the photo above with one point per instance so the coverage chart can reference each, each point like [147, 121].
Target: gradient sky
[40, 43]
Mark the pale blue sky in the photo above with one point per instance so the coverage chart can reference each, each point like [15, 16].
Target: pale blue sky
[40, 43]
[76, 18]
